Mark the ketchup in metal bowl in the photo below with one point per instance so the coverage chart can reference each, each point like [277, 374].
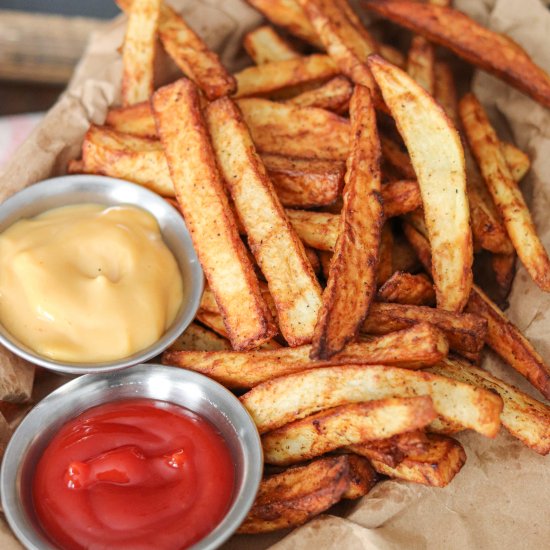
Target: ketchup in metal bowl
[137, 473]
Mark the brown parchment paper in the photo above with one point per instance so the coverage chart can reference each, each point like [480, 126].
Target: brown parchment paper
[501, 498]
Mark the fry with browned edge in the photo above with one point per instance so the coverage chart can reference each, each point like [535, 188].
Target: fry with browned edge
[264, 45]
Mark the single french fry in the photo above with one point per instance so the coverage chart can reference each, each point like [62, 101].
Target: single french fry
[385, 255]
[400, 197]
[345, 425]
[287, 398]
[292, 497]
[444, 90]
[313, 259]
[420, 244]
[435, 466]
[398, 158]
[465, 332]
[264, 45]
[404, 288]
[362, 477]
[325, 257]
[524, 417]
[504, 190]
[204, 205]
[16, 378]
[292, 284]
[404, 256]
[417, 347]
[277, 75]
[420, 63]
[138, 51]
[190, 53]
[214, 321]
[333, 96]
[504, 267]
[351, 284]
[488, 50]
[518, 162]
[392, 55]
[136, 120]
[508, 342]
[293, 131]
[197, 338]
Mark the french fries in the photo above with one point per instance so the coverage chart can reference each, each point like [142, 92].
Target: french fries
[421, 63]
[333, 96]
[505, 192]
[504, 267]
[197, 338]
[444, 90]
[138, 51]
[136, 120]
[264, 45]
[384, 269]
[438, 161]
[488, 50]
[436, 466]
[417, 347]
[398, 158]
[518, 162]
[206, 211]
[16, 378]
[290, 498]
[351, 282]
[362, 477]
[277, 402]
[404, 288]
[400, 197]
[293, 285]
[344, 425]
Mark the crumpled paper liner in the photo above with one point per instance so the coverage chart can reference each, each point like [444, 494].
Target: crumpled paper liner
[500, 499]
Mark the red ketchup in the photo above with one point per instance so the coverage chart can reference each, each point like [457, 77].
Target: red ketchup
[138, 473]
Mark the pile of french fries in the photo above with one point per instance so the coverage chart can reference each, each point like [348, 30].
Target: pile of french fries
[336, 191]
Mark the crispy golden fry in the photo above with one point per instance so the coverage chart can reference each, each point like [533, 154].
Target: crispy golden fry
[404, 256]
[420, 245]
[271, 77]
[491, 51]
[438, 159]
[204, 204]
[392, 450]
[313, 259]
[138, 51]
[504, 267]
[293, 131]
[435, 466]
[362, 477]
[136, 119]
[420, 63]
[518, 162]
[351, 282]
[213, 321]
[333, 96]
[398, 158]
[190, 53]
[325, 257]
[392, 55]
[465, 332]
[524, 417]
[348, 45]
[292, 497]
[445, 90]
[508, 342]
[345, 425]
[306, 183]
[75, 166]
[292, 284]
[417, 347]
[443, 426]
[400, 197]
[385, 255]
[404, 288]
[264, 45]
[197, 338]
[504, 190]
[16, 379]
[136, 159]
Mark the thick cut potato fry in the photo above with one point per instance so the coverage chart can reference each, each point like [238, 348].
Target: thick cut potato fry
[504, 267]
[213, 321]
[347, 44]
[435, 466]
[465, 332]
[292, 284]
[362, 477]
[438, 160]
[316, 229]
[305, 183]
[313, 260]
[16, 378]
[420, 63]
[518, 162]
[417, 347]
[136, 159]
[264, 45]
[292, 497]
[392, 55]
[397, 158]
[293, 131]
[138, 51]
[271, 77]
[420, 245]
[385, 255]
[345, 425]
[351, 284]
[197, 338]
[445, 89]
[204, 204]
[404, 256]
[524, 417]
[508, 342]
[136, 120]
[277, 402]
[504, 190]
[404, 288]
[491, 51]
[190, 53]
[333, 96]
[400, 197]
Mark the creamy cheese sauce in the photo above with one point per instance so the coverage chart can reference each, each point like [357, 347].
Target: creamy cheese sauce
[88, 283]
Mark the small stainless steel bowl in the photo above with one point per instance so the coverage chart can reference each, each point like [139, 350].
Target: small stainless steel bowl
[78, 189]
[181, 387]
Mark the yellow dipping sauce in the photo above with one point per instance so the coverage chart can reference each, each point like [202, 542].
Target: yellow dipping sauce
[88, 283]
